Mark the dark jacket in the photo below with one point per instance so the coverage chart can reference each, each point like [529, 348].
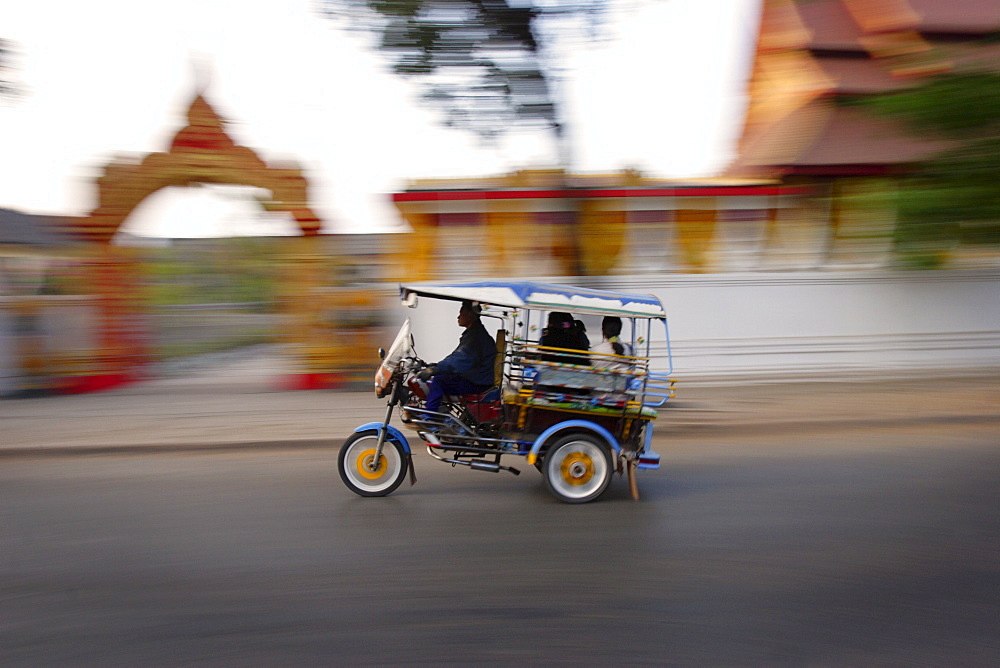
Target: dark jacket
[564, 338]
[473, 358]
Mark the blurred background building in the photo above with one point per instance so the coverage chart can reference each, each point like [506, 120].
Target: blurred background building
[787, 262]
[550, 223]
[816, 64]
[815, 183]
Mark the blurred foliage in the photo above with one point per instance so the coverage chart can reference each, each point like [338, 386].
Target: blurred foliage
[223, 343]
[487, 64]
[211, 295]
[954, 197]
[8, 89]
[218, 271]
[958, 105]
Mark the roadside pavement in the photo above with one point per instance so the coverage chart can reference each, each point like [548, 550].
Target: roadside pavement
[238, 407]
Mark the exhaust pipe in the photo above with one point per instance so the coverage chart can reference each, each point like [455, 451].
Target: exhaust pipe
[492, 467]
[477, 465]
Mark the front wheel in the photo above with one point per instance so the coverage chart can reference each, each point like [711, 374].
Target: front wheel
[359, 471]
[578, 468]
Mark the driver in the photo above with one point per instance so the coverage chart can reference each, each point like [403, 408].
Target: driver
[467, 370]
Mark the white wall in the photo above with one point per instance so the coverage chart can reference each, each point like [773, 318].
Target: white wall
[809, 322]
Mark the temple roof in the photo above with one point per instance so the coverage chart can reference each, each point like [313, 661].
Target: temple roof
[812, 52]
[976, 17]
[853, 137]
[860, 76]
[830, 25]
[844, 24]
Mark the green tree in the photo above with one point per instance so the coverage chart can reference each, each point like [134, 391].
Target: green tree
[953, 197]
[488, 65]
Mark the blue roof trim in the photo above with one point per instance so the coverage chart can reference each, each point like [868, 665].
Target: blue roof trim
[542, 296]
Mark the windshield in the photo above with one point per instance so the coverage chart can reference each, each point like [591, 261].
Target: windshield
[401, 347]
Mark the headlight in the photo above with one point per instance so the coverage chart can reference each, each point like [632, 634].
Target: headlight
[382, 379]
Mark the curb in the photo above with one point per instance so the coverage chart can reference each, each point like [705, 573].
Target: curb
[829, 424]
[688, 430]
[165, 448]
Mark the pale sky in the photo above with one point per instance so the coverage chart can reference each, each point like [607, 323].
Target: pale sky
[114, 77]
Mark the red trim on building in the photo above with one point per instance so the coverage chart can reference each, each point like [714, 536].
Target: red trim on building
[623, 193]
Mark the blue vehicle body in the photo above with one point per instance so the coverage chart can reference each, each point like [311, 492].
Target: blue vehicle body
[542, 297]
[392, 434]
[570, 426]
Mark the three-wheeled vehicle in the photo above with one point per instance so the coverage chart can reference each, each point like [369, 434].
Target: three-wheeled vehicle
[577, 418]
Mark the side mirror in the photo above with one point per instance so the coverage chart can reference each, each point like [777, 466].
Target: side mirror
[381, 353]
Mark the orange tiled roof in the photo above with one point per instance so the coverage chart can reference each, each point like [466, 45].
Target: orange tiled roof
[831, 25]
[812, 51]
[975, 17]
[858, 76]
[853, 137]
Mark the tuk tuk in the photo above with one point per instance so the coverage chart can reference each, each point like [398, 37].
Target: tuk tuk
[578, 416]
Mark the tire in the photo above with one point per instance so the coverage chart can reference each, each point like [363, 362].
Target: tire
[578, 468]
[355, 455]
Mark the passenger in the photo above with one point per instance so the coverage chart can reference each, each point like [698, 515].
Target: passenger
[561, 332]
[581, 333]
[467, 370]
[611, 329]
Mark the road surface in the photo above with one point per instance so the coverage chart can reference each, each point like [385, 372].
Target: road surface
[840, 547]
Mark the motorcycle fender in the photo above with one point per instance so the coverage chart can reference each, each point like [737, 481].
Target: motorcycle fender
[393, 435]
[574, 425]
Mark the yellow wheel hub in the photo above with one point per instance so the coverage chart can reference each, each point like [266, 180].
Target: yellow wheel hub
[577, 468]
[364, 462]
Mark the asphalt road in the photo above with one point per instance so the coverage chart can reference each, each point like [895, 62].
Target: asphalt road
[847, 547]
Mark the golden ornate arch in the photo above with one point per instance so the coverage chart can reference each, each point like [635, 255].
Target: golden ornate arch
[201, 152]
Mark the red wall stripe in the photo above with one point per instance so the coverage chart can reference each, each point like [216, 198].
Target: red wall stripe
[710, 191]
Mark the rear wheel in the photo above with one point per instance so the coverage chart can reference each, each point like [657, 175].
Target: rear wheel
[578, 468]
[362, 474]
